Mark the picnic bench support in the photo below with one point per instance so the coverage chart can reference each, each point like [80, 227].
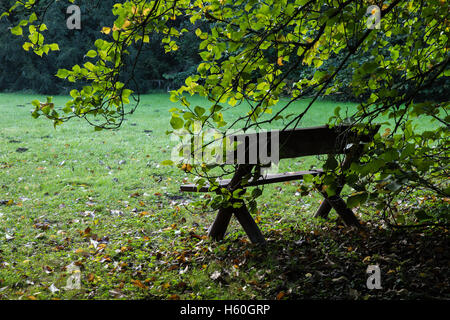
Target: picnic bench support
[339, 205]
[344, 212]
[220, 224]
[249, 225]
[219, 227]
[325, 207]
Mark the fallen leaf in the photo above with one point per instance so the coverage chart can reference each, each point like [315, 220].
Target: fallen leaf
[139, 284]
[143, 213]
[280, 295]
[166, 285]
[341, 278]
[91, 277]
[48, 269]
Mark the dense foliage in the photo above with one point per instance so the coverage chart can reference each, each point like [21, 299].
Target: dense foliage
[157, 71]
[255, 52]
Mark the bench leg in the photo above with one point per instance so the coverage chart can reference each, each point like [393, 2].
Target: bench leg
[250, 227]
[344, 212]
[220, 224]
[325, 207]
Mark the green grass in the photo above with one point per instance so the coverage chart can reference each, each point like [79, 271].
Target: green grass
[101, 200]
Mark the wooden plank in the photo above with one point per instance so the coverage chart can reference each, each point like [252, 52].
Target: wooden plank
[292, 143]
[270, 178]
[312, 141]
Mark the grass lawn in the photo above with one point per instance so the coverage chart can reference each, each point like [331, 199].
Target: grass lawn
[100, 201]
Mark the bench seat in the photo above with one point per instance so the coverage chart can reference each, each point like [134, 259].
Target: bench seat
[268, 179]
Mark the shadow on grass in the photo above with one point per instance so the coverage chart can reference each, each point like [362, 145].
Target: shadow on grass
[331, 264]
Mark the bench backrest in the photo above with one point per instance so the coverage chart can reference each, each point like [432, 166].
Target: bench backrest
[294, 143]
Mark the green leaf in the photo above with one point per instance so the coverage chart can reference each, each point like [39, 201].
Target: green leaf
[393, 186]
[167, 163]
[176, 122]
[357, 199]
[54, 47]
[62, 73]
[17, 30]
[32, 18]
[91, 54]
[74, 93]
[199, 111]
[27, 45]
[331, 163]
[256, 192]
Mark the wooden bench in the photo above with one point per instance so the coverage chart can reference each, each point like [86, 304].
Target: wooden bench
[292, 144]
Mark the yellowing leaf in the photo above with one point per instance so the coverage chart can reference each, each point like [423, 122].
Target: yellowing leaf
[391, 271]
[386, 132]
[106, 30]
[186, 167]
[280, 61]
[126, 24]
